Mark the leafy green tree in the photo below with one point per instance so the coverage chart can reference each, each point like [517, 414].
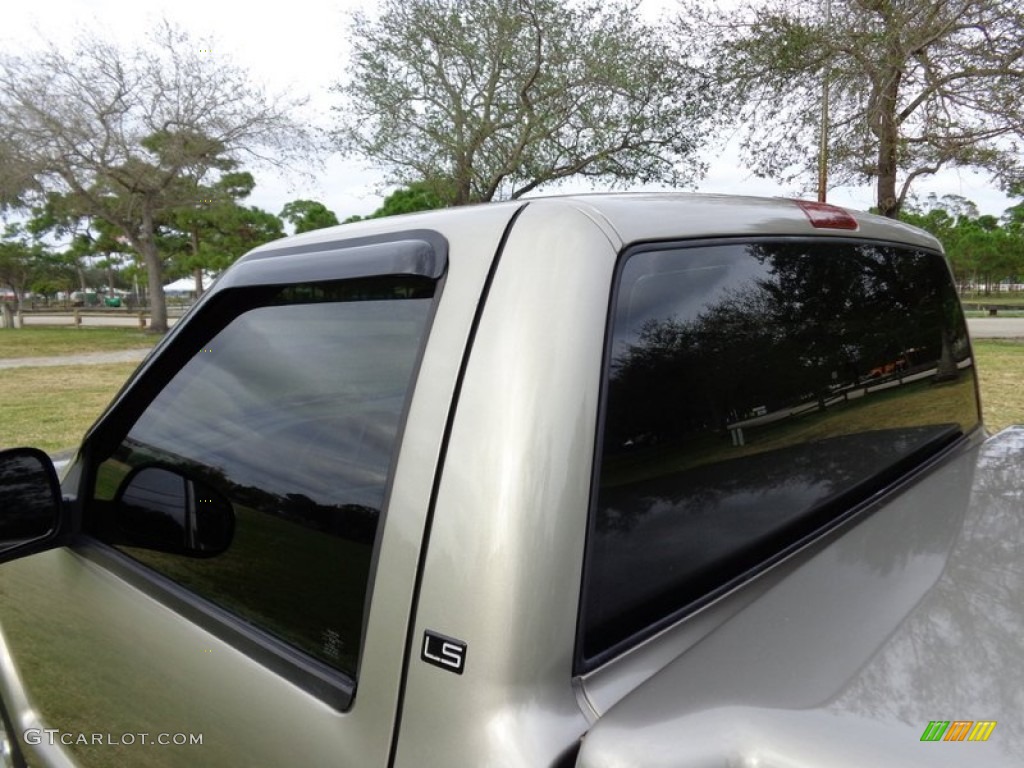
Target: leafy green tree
[213, 229]
[19, 258]
[913, 87]
[15, 266]
[986, 250]
[1013, 219]
[982, 250]
[418, 196]
[484, 99]
[55, 272]
[232, 230]
[128, 136]
[15, 176]
[91, 239]
[415, 197]
[307, 215]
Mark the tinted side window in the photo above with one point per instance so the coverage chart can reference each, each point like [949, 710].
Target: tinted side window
[291, 413]
[754, 393]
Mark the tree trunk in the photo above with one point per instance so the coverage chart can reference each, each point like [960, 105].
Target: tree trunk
[463, 191]
[888, 132]
[463, 181]
[197, 273]
[155, 272]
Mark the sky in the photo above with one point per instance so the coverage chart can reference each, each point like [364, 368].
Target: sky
[301, 49]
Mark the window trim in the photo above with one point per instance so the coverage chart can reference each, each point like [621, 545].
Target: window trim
[415, 253]
[333, 686]
[582, 664]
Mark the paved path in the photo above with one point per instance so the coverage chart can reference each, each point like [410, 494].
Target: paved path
[91, 318]
[996, 327]
[119, 356]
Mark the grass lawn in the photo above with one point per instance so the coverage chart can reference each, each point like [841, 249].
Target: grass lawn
[1001, 370]
[51, 408]
[51, 342]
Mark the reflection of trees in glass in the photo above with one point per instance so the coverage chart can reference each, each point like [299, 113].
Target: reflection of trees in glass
[819, 319]
[805, 482]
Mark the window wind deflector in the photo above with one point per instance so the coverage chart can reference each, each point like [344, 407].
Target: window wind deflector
[422, 257]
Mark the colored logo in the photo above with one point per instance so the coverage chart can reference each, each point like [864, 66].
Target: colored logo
[958, 730]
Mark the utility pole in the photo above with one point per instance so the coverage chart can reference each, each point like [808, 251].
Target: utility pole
[823, 137]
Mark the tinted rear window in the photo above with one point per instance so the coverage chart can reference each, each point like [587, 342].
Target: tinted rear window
[754, 393]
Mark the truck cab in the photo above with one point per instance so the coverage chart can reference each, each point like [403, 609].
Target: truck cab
[600, 480]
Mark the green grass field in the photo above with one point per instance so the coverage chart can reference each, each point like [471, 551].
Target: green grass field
[1001, 370]
[53, 342]
[996, 297]
[51, 408]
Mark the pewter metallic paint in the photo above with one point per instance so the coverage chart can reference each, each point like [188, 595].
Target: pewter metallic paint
[913, 613]
[771, 674]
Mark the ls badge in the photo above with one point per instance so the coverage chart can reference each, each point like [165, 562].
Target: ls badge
[444, 652]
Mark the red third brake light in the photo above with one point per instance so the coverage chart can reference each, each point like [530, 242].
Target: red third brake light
[825, 216]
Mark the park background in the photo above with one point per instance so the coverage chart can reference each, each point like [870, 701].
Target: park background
[304, 62]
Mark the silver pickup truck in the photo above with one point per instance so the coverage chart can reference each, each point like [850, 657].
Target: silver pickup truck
[606, 481]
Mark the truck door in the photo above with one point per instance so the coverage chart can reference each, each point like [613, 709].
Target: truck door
[252, 510]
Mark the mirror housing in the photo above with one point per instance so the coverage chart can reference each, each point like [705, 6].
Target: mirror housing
[30, 502]
[161, 508]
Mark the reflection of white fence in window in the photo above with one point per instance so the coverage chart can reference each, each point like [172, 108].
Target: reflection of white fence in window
[853, 392]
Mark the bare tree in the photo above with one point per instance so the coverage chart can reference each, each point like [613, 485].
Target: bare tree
[15, 177]
[914, 86]
[484, 99]
[128, 135]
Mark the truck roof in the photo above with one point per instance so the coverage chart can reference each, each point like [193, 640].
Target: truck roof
[648, 216]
